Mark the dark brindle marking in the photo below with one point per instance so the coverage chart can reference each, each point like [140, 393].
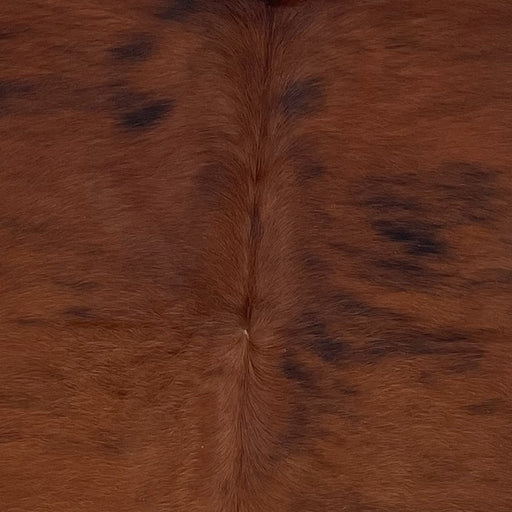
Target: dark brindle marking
[147, 115]
[296, 372]
[80, 312]
[13, 91]
[314, 332]
[416, 343]
[30, 321]
[418, 238]
[303, 97]
[179, 10]
[137, 50]
[485, 408]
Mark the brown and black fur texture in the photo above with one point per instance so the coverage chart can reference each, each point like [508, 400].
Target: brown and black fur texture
[255, 256]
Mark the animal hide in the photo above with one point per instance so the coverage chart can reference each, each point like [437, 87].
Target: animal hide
[255, 256]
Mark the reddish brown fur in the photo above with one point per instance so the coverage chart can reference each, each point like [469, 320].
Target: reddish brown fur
[255, 257]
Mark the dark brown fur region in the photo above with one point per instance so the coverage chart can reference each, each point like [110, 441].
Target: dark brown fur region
[256, 256]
